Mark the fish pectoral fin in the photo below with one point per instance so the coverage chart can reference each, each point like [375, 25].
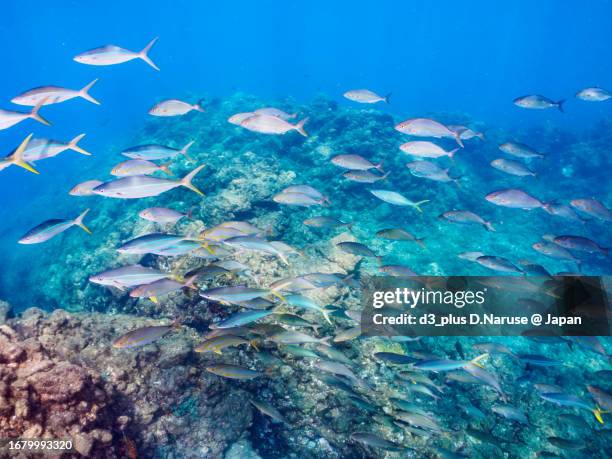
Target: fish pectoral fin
[154, 299]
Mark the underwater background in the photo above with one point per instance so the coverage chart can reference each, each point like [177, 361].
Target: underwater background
[461, 63]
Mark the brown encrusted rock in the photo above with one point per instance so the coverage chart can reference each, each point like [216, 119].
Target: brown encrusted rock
[83, 443]
[60, 384]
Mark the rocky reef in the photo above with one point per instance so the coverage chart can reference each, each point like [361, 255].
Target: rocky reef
[60, 376]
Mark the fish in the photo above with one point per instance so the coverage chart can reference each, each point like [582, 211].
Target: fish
[149, 243]
[356, 248]
[510, 412]
[419, 420]
[470, 256]
[256, 244]
[581, 244]
[420, 388]
[553, 250]
[333, 353]
[465, 132]
[269, 410]
[143, 336]
[325, 222]
[233, 371]
[492, 348]
[51, 228]
[603, 398]
[365, 96]
[297, 199]
[466, 216]
[9, 118]
[425, 149]
[440, 365]
[267, 124]
[397, 359]
[593, 208]
[399, 234]
[398, 271]
[296, 337]
[47, 95]
[565, 443]
[39, 149]
[152, 152]
[520, 150]
[133, 167]
[295, 321]
[594, 94]
[397, 199]
[308, 191]
[240, 318]
[538, 102]
[271, 111]
[217, 343]
[338, 369]
[163, 215]
[16, 157]
[483, 437]
[459, 349]
[355, 163]
[548, 388]
[512, 167]
[304, 302]
[235, 294]
[485, 377]
[142, 186]
[174, 107]
[405, 405]
[562, 211]
[370, 439]
[430, 171]
[85, 188]
[498, 264]
[128, 276]
[364, 176]
[159, 288]
[299, 351]
[514, 198]
[112, 54]
[425, 127]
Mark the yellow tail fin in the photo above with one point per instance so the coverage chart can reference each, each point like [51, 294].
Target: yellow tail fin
[476, 360]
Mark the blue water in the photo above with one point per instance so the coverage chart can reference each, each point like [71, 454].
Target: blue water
[459, 62]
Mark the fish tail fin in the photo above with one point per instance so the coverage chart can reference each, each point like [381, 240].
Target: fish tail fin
[476, 360]
[457, 136]
[451, 154]
[560, 105]
[278, 295]
[480, 135]
[79, 221]
[17, 156]
[35, 115]
[325, 341]
[457, 181]
[198, 106]
[597, 412]
[417, 205]
[489, 227]
[283, 259]
[385, 175]
[144, 54]
[73, 145]
[420, 242]
[300, 127]
[166, 168]
[379, 167]
[253, 343]
[186, 148]
[387, 97]
[186, 181]
[84, 93]
[326, 316]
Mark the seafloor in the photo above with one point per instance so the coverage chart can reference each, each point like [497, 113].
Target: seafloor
[61, 378]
